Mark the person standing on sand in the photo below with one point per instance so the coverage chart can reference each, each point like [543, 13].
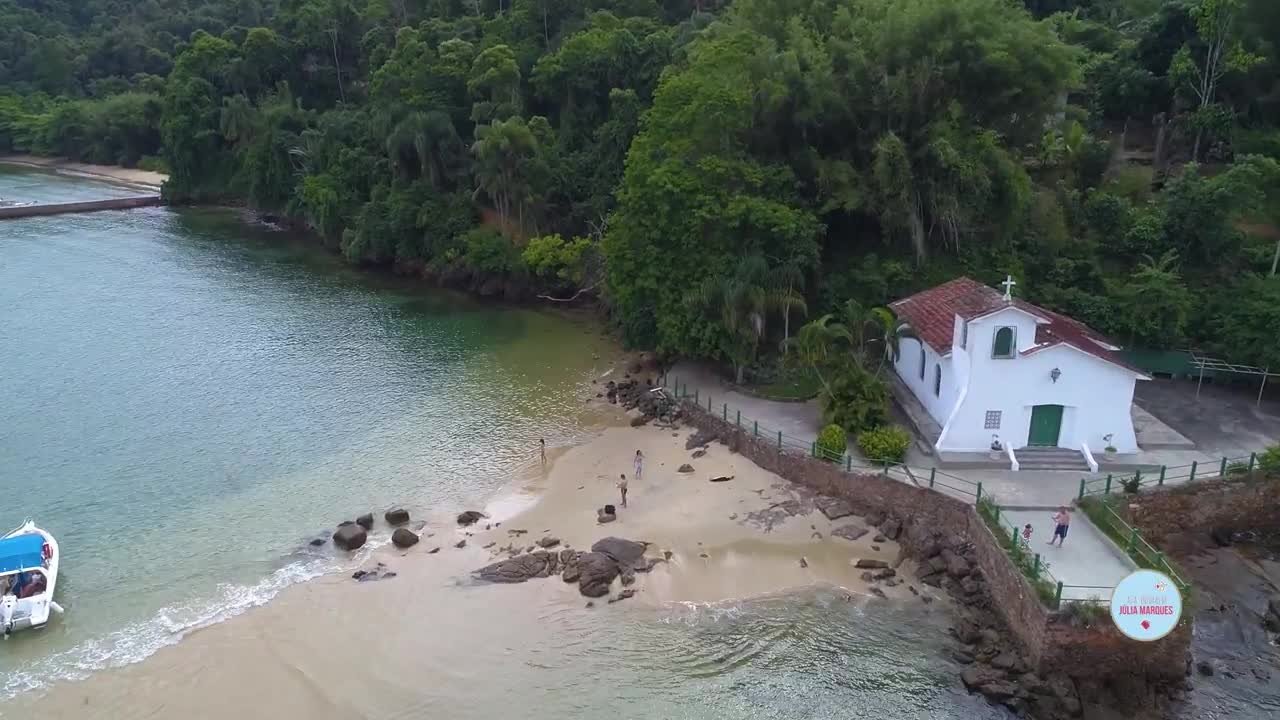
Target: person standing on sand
[542, 443]
[1061, 523]
[638, 464]
[622, 487]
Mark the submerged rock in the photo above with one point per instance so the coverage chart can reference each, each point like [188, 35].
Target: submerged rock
[365, 521]
[396, 516]
[350, 537]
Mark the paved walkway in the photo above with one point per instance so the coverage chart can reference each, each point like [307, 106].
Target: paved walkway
[800, 421]
[1088, 563]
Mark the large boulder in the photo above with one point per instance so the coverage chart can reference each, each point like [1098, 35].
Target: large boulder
[350, 537]
[870, 564]
[365, 521]
[470, 517]
[891, 528]
[403, 538]
[596, 572]
[852, 531]
[957, 567]
[623, 552]
[396, 516]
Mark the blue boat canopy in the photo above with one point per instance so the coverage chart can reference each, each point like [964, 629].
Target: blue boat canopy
[21, 552]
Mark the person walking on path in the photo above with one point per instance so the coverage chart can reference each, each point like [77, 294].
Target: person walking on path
[542, 443]
[1061, 523]
[622, 488]
[1026, 535]
[638, 464]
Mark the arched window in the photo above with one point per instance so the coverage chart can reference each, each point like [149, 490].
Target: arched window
[1003, 345]
[923, 361]
[937, 380]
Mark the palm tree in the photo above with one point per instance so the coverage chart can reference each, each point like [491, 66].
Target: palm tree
[742, 300]
[237, 119]
[817, 342]
[426, 142]
[788, 280]
[501, 150]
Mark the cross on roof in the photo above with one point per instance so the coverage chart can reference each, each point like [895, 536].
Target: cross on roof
[1008, 287]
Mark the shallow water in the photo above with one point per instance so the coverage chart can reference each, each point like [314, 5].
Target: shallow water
[185, 400]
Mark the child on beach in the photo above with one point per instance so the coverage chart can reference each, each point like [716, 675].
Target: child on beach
[622, 487]
[1026, 535]
[638, 464]
[1061, 522]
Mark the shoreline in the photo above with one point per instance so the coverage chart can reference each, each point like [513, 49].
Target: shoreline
[132, 177]
[728, 542]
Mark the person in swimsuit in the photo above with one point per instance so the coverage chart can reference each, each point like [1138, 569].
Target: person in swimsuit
[1061, 523]
[622, 487]
[638, 464]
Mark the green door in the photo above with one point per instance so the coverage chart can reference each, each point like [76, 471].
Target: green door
[1046, 423]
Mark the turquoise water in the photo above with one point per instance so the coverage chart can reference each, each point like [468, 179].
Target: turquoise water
[187, 400]
[22, 184]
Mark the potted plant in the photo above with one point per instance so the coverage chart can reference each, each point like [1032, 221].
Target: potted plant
[1111, 449]
[997, 450]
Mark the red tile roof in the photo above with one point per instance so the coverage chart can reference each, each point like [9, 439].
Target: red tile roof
[931, 314]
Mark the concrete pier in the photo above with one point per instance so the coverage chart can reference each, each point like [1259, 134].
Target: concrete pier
[79, 207]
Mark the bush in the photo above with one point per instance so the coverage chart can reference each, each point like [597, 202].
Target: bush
[1269, 461]
[832, 442]
[857, 400]
[889, 442]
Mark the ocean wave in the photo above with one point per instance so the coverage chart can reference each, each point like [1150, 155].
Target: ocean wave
[169, 625]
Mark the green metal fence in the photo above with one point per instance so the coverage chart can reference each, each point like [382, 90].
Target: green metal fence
[1230, 468]
[851, 462]
[1143, 553]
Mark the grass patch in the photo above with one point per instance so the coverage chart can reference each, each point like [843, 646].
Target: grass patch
[1102, 512]
[1087, 613]
[799, 384]
[1023, 559]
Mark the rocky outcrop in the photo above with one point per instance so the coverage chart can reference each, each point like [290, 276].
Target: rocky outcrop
[653, 402]
[470, 517]
[350, 536]
[549, 541]
[403, 538]
[594, 571]
[700, 438]
[852, 531]
[379, 572]
[833, 508]
[685, 468]
[396, 516]
[870, 564]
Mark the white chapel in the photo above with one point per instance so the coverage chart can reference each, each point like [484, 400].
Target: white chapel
[990, 367]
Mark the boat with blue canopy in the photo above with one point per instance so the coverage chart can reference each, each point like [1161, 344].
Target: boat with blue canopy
[28, 578]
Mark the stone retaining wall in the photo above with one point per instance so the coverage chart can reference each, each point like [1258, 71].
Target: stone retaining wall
[1051, 641]
[78, 207]
[1200, 507]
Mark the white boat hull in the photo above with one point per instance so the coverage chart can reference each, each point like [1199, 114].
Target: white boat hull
[17, 614]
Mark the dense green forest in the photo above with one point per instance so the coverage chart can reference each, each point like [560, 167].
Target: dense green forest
[717, 173]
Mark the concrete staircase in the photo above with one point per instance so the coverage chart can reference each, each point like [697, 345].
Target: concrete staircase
[1051, 458]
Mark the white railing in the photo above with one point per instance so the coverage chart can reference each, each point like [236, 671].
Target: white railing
[1013, 459]
[1088, 457]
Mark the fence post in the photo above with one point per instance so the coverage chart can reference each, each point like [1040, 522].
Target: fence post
[933, 472]
[695, 397]
[977, 497]
[813, 448]
[1108, 490]
[1253, 458]
[1162, 471]
[848, 463]
[1133, 539]
[997, 507]
[756, 429]
[779, 441]
[739, 419]
[1081, 495]
[709, 403]
[1057, 596]
[1192, 478]
[724, 414]
[1036, 569]
[1222, 471]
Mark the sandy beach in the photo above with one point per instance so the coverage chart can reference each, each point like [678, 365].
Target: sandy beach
[143, 179]
[293, 656]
